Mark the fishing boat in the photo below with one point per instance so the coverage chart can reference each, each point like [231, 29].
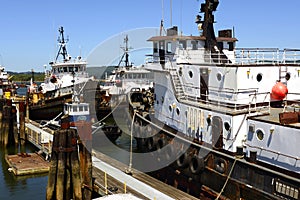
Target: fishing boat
[226, 120]
[112, 90]
[46, 101]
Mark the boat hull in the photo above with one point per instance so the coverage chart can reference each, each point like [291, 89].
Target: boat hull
[49, 109]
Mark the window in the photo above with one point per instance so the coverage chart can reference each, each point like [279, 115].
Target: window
[178, 111]
[194, 45]
[260, 134]
[182, 44]
[219, 76]
[75, 109]
[155, 47]
[169, 47]
[259, 77]
[230, 46]
[191, 74]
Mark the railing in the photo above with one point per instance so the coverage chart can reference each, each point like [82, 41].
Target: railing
[240, 56]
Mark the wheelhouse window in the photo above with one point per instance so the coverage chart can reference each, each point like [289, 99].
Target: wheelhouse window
[230, 46]
[194, 44]
[169, 47]
[155, 47]
[182, 44]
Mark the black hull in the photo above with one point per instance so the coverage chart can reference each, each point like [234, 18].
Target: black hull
[202, 170]
[235, 175]
[49, 109]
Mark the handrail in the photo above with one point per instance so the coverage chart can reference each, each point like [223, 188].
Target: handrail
[240, 56]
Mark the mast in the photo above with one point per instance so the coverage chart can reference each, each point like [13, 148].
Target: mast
[62, 45]
[126, 54]
[208, 24]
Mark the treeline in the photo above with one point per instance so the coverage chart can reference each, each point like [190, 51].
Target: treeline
[26, 76]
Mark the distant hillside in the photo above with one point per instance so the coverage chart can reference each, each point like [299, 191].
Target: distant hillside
[26, 76]
[99, 72]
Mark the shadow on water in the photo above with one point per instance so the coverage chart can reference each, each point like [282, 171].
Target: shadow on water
[20, 187]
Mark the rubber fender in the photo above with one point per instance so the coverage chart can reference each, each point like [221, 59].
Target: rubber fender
[183, 160]
[196, 164]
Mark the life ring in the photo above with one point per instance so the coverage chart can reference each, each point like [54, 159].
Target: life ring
[221, 165]
[183, 160]
[196, 164]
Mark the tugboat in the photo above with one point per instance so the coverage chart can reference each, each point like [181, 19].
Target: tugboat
[46, 101]
[226, 121]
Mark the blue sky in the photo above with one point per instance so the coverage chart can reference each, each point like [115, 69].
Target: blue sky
[29, 29]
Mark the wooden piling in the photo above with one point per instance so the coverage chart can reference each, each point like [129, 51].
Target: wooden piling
[22, 114]
[85, 147]
[50, 193]
[6, 125]
[64, 181]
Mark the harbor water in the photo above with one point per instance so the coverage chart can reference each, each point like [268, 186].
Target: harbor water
[20, 187]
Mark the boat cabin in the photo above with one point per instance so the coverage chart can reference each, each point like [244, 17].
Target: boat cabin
[188, 48]
[77, 111]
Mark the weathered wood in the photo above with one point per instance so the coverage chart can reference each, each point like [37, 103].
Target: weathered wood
[76, 176]
[22, 114]
[50, 194]
[86, 170]
[85, 146]
[60, 183]
[6, 125]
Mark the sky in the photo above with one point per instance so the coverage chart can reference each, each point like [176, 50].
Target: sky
[29, 29]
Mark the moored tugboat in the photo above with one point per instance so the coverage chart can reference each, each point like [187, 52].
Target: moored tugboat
[225, 121]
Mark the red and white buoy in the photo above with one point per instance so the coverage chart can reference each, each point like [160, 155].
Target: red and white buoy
[279, 91]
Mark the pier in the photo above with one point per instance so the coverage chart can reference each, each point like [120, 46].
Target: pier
[109, 174]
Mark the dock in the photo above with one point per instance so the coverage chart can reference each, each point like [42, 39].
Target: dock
[109, 174]
[27, 164]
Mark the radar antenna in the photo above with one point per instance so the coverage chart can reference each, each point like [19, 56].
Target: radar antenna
[62, 45]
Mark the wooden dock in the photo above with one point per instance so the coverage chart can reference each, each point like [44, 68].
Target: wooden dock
[109, 174]
[26, 164]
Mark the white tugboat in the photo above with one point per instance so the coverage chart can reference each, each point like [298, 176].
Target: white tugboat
[236, 112]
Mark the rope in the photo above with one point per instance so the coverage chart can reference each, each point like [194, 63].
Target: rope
[232, 167]
[129, 170]
[98, 122]
[104, 118]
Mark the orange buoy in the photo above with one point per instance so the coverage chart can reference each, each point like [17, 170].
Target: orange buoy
[279, 91]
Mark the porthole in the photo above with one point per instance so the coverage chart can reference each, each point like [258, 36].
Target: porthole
[177, 111]
[191, 74]
[180, 71]
[259, 77]
[287, 76]
[260, 134]
[219, 76]
[227, 126]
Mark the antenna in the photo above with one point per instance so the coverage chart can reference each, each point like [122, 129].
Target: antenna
[171, 14]
[162, 10]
